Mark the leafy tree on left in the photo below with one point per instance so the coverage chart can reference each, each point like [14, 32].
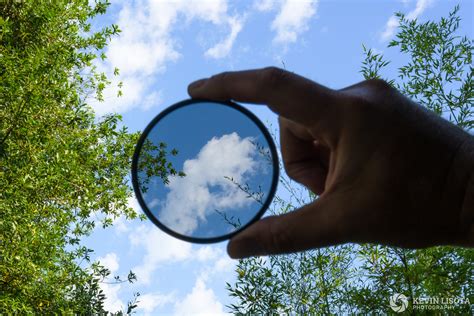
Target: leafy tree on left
[60, 166]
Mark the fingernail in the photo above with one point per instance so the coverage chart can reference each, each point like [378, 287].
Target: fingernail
[197, 84]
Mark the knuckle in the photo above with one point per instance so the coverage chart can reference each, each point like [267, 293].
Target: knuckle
[378, 84]
[220, 85]
[360, 103]
[280, 240]
[221, 77]
[357, 110]
[272, 77]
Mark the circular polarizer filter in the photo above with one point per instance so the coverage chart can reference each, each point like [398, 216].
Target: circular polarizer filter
[204, 170]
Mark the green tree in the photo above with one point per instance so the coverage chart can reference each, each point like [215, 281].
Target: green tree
[359, 279]
[305, 283]
[60, 166]
[439, 76]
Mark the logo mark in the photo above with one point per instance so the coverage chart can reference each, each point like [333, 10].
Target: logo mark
[398, 302]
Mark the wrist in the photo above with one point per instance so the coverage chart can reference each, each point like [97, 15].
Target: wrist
[467, 211]
[464, 171]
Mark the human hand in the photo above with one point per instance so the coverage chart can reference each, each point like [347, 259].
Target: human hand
[386, 170]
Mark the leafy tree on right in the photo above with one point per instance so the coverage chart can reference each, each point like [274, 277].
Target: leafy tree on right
[361, 279]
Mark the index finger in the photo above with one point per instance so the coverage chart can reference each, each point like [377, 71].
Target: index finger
[289, 95]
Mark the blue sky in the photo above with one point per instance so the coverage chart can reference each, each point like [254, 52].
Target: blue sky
[165, 45]
[217, 151]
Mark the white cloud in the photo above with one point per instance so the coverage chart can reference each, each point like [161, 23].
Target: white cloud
[221, 262]
[223, 48]
[264, 5]
[293, 19]
[133, 203]
[110, 261]
[214, 11]
[421, 6]
[392, 23]
[224, 264]
[218, 263]
[150, 301]
[146, 45]
[190, 200]
[121, 224]
[201, 301]
[390, 28]
[207, 253]
[155, 98]
[159, 248]
[112, 302]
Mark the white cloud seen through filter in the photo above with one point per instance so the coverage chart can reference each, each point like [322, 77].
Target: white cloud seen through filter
[190, 198]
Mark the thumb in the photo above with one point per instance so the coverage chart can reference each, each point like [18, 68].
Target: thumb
[317, 224]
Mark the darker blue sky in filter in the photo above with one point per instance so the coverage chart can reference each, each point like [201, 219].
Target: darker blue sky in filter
[188, 129]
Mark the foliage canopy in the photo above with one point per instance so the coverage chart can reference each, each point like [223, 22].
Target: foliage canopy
[61, 168]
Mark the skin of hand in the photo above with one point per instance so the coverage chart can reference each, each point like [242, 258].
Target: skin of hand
[387, 171]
